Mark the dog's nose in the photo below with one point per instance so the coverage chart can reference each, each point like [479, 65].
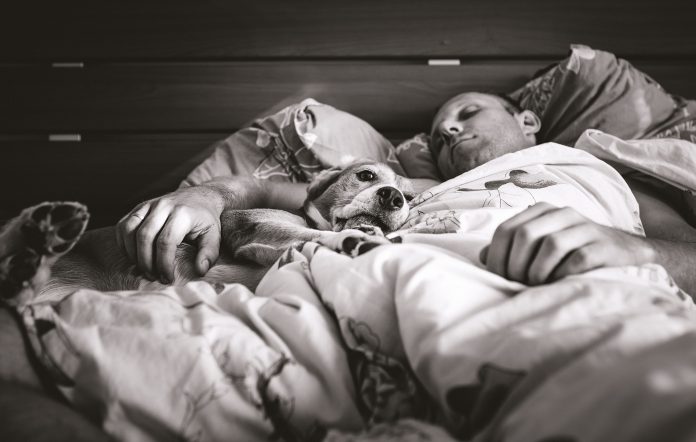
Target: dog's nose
[390, 198]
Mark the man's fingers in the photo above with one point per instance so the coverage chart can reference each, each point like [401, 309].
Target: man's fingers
[556, 249]
[145, 238]
[581, 260]
[127, 228]
[151, 233]
[172, 234]
[208, 249]
[528, 237]
[500, 247]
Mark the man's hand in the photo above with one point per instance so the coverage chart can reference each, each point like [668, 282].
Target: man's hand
[545, 243]
[151, 232]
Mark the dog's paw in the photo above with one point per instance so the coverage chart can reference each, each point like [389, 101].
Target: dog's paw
[352, 242]
[30, 243]
[370, 230]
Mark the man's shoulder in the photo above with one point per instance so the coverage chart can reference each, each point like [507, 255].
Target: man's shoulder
[555, 153]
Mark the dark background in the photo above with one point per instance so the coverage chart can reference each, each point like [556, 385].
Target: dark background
[149, 85]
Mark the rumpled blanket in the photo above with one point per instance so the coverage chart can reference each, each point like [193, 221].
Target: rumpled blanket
[411, 341]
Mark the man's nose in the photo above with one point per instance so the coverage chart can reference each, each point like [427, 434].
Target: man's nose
[453, 127]
[450, 129]
[390, 198]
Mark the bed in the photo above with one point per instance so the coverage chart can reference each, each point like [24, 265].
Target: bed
[144, 115]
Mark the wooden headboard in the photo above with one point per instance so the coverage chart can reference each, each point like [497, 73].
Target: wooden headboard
[112, 102]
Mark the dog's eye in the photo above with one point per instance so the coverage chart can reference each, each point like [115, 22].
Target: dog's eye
[366, 175]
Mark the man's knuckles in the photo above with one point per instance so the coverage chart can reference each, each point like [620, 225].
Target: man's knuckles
[145, 234]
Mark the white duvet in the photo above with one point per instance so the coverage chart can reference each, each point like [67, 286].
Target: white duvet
[411, 341]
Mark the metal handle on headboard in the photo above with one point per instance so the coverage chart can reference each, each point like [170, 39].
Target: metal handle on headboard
[64, 137]
[68, 64]
[444, 62]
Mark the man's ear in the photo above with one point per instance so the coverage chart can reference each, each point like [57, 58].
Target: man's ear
[322, 181]
[529, 122]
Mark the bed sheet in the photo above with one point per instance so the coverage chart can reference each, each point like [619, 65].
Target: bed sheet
[413, 340]
[334, 343]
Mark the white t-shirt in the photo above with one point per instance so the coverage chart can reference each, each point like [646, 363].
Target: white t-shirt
[476, 202]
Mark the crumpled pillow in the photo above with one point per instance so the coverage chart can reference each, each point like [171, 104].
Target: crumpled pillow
[416, 158]
[593, 89]
[294, 145]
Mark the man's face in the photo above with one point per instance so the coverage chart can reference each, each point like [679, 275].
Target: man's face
[474, 128]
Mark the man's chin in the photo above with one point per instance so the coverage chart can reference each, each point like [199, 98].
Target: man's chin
[451, 170]
[462, 163]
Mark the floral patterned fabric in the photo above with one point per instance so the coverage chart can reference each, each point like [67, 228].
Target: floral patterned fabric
[416, 158]
[594, 89]
[295, 144]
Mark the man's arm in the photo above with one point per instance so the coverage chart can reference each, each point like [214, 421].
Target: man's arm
[150, 233]
[545, 243]
[672, 238]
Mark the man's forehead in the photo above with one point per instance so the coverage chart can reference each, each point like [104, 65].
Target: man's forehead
[465, 99]
[473, 98]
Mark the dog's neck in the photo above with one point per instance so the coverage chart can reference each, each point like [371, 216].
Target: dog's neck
[314, 218]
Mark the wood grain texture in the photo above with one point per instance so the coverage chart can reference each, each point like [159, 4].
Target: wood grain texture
[195, 71]
[222, 29]
[109, 174]
[221, 97]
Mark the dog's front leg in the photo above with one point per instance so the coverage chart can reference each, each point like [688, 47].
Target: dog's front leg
[262, 235]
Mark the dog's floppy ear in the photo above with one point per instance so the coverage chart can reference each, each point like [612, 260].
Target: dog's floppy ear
[322, 181]
[406, 187]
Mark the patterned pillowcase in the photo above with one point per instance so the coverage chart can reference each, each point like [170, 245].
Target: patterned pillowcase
[593, 89]
[295, 144]
[681, 124]
[416, 159]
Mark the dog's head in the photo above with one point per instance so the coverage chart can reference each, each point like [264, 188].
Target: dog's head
[365, 193]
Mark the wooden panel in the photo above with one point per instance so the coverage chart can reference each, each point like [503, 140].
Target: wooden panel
[109, 174]
[223, 29]
[220, 97]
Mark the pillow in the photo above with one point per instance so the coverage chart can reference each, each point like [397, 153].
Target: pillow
[682, 123]
[416, 159]
[295, 144]
[593, 89]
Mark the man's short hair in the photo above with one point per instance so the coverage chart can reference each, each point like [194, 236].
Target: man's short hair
[511, 105]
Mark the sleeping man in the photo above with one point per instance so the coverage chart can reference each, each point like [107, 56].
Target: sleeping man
[542, 243]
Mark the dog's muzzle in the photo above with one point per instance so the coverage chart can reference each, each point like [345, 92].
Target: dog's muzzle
[390, 198]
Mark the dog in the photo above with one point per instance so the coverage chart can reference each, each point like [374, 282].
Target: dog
[344, 207]
[365, 197]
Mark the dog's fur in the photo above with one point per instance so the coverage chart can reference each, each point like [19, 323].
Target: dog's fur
[363, 199]
[337, 199]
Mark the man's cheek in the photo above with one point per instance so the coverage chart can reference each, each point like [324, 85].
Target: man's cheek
[447, 168]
